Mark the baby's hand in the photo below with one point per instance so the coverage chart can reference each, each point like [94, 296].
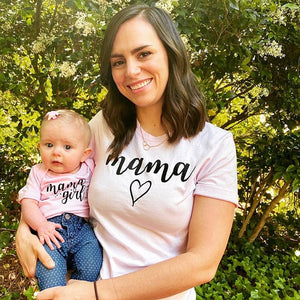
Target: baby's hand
[47, 233]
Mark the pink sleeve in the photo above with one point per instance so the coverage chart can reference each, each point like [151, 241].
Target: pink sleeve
[90, 163]
[32, 188]
[218, 177]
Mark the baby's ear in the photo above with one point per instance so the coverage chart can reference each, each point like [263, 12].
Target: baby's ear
[86, 153]
[39, 145]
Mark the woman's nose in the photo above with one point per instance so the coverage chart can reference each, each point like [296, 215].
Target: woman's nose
[132, 68]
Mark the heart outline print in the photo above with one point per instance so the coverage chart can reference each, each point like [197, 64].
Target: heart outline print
[138, 190]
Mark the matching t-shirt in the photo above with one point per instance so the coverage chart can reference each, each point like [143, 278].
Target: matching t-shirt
[59, 193]
[142, 202]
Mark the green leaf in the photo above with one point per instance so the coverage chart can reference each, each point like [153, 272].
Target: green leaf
[246, 60]
[29, 293]
[234, 5]
[291, 168]
[4, 239]
[291, 6]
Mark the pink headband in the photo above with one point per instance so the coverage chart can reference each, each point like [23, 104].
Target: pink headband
[52, 115]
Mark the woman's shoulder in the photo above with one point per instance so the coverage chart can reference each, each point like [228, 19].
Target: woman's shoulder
[97, 118]
[213, 132]
[101, 133]
[98, 124]
[213, 138]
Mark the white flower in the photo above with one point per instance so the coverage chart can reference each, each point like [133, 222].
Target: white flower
[67, 69]
[187, 44]
[121, 3]
[84, 26]
[167, 5]
[258, 91]
[38, 47]
[6, 26]
[102, 24]
[271, 48]
[101, 3]
[279, 16]
[42, 42]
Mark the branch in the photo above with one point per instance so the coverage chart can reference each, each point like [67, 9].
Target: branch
[223, 29]
[255, 202]
[38, 17]
[233, 83]
[53, 17]
[6, 229]
[238, 118]
[267, 212]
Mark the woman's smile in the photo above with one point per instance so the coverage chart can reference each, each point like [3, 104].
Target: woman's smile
[139, 85]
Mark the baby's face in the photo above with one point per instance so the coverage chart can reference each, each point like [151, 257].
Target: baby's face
[62, 147]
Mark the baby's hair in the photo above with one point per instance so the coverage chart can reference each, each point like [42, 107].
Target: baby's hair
[70, 118]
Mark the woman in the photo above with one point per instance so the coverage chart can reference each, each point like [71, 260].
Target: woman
[164, 189]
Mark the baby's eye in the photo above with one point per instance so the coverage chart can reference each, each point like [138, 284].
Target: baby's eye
[68, 147]
[49, 145]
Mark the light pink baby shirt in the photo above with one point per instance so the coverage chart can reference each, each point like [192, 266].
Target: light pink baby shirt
[59, 193]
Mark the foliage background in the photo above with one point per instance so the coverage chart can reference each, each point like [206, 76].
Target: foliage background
[245, 55]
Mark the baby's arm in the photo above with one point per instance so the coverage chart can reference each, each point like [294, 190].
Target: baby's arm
[34, 218]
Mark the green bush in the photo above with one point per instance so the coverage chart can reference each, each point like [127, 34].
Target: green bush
[255, 270]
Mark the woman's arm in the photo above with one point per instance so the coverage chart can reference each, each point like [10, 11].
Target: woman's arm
[209, 231]
[29, 249]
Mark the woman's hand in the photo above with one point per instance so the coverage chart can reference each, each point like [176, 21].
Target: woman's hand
[75, 290]
[29, 249]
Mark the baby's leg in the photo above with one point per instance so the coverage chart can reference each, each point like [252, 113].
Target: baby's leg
[52, 277]
[87, 259]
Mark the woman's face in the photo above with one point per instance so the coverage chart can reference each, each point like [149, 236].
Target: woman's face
[139, 64]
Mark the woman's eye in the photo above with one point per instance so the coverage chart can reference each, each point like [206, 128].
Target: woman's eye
[145, 54]
[68, 147]
[117, 63]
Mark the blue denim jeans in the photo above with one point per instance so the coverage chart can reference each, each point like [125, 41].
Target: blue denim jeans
[81, 253]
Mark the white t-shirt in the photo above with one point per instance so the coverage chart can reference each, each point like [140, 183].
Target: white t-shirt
[143, 201]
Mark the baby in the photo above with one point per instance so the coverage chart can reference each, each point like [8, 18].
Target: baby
[54, 200]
